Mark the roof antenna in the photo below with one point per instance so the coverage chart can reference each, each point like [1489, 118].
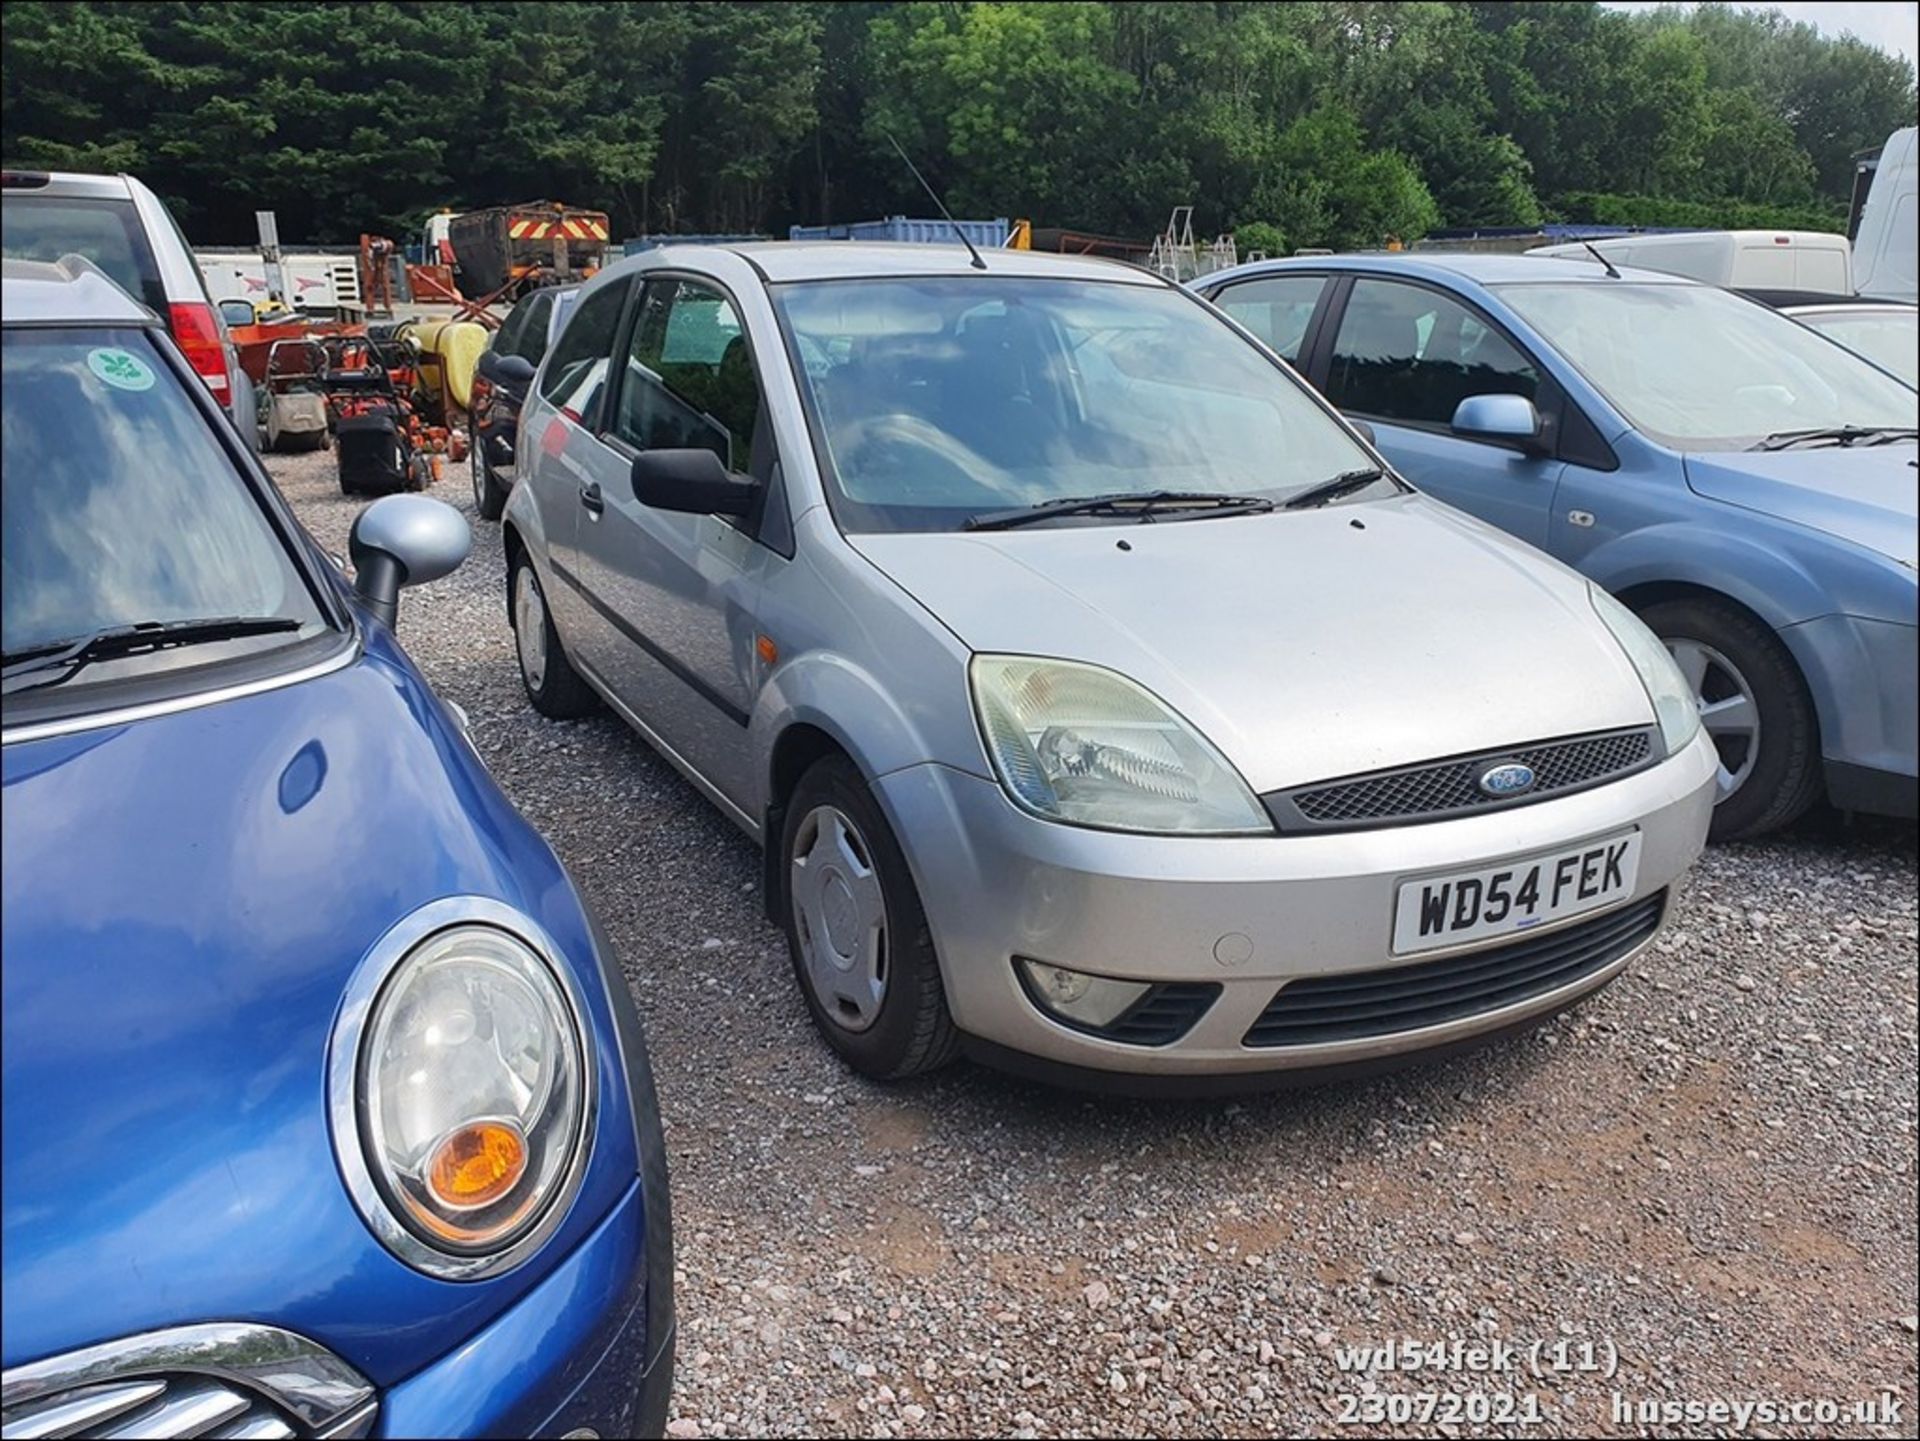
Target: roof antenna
[978, 263]
[1606, 264]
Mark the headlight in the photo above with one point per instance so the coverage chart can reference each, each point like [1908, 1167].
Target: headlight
[1674, 705]
[470, 1094]
[1077, 743]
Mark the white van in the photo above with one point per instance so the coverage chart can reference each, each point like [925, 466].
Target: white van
[1884, 243]
[1737, 259]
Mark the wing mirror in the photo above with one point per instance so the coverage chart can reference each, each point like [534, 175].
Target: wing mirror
[514, 369]
[691, 480]
[1508, 419]
[237, 312]
[404, 540]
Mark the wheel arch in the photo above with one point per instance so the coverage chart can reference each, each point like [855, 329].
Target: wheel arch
[795, 750]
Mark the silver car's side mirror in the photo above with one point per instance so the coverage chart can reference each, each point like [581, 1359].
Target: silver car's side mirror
[1507, 418]
[404, 540]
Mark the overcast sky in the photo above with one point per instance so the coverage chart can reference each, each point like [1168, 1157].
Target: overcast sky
[1891, 26]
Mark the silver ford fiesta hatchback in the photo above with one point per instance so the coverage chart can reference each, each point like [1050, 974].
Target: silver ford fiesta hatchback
[1104, 705]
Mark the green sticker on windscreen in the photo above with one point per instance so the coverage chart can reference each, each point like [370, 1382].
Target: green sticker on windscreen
[121, 369]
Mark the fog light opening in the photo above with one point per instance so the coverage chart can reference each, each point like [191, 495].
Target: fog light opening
[1075, 996]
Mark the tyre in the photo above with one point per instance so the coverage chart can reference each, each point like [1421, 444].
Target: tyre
[489, 496]
[553, 685]
[859, 940]
[1756, 710]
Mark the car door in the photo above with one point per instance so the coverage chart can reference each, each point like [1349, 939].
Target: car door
[1402, 357]
[674, 597]
[556, 456]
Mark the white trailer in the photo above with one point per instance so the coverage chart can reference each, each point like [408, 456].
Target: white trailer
[320, 282]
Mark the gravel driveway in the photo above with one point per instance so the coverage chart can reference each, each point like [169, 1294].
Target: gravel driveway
[1707, 1173]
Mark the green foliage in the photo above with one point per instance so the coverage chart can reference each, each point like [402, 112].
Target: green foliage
[1258, 237]
[1659, 210]
[1326, 122]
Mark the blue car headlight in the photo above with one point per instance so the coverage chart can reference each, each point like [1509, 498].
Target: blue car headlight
[462, 1090]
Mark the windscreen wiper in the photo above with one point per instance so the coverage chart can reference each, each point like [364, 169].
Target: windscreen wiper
[1144, 505]
[55, 661]
[1345, 483]
[1842, 435]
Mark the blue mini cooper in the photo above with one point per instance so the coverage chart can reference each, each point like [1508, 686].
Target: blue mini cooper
[327, 1111]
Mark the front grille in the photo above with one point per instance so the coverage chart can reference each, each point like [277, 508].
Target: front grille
[153, 1406]
[1356, 1005]
[217, 1379]
[1163, 1015]
[1445, 788]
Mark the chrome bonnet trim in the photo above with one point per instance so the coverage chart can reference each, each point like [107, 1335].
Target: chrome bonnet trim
[126, 715]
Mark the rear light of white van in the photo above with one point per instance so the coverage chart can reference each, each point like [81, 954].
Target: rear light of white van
[197, 333]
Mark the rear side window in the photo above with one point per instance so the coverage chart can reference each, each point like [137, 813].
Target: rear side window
[1410, 354]
[107, 232]
[578, 366]
[532, 341]
[1277, 308]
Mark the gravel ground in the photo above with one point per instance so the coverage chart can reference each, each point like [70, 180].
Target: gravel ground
[1708, 1172]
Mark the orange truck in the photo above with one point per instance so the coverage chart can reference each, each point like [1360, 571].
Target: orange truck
[498, 246]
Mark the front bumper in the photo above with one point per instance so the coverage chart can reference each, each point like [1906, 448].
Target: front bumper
[1271, 908]
[572, 1353]
[1865, 679]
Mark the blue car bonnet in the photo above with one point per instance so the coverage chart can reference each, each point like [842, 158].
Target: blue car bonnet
[185, 900]
[1867, 494]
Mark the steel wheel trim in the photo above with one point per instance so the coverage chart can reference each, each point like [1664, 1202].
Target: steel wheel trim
[1728, 712]
[530, 627]
[840, 917]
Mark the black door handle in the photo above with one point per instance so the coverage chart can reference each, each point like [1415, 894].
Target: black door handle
[590, 497]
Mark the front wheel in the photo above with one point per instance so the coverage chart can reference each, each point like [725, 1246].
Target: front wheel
[1755, 709]
[859, 939]
[552, 684]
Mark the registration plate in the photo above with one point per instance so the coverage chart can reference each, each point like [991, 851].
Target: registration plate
[1515, 895]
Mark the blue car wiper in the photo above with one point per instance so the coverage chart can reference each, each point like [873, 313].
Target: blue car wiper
[55, 661]
[1143, 505]
[1842, 435]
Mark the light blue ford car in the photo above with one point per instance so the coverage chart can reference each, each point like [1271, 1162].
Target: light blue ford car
[1744, 485]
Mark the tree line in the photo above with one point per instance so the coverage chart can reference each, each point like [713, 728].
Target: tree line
[1336, 124]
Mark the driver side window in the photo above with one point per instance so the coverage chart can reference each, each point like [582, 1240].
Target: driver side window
[689, 379]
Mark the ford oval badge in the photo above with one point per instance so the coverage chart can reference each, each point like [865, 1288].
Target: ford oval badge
[1509, 778]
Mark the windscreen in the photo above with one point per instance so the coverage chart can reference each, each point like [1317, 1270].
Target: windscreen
[117, 503]
[1700, 369]
[936, 399]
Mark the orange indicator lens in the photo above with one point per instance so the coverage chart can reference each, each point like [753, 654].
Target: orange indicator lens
[477, 1164]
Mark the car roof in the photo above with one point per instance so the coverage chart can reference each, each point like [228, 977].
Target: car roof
[789, 260]
[23, 181]
[1443, 266]
[70, 291]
